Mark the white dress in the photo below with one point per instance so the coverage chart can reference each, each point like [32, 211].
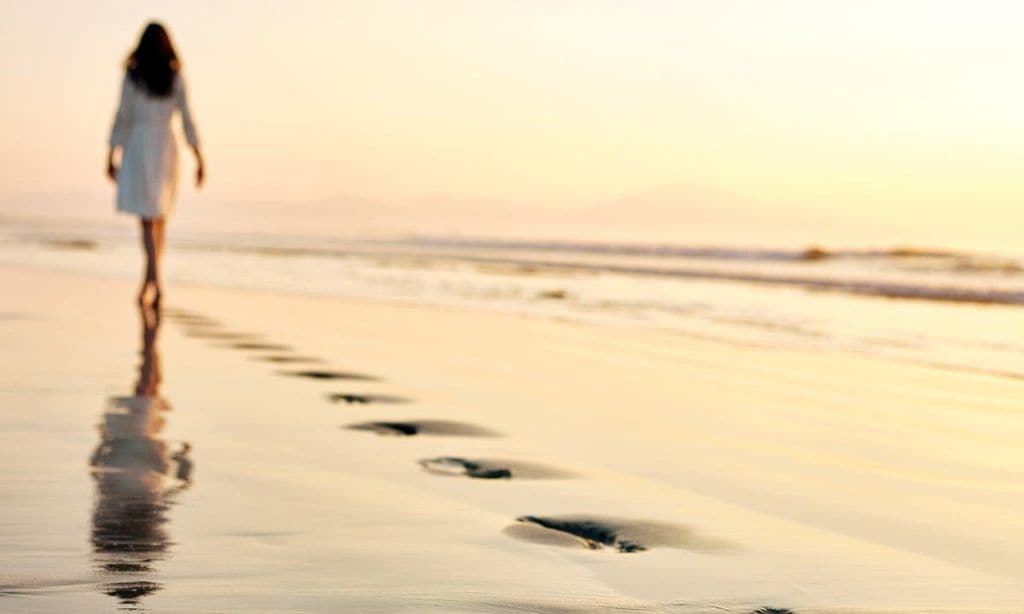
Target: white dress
[148, 178]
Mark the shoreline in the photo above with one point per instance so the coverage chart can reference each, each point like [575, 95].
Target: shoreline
[955, 336]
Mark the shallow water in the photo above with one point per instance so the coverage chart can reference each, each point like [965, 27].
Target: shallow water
[944, 308]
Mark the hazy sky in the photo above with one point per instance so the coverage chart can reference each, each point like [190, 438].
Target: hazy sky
[900, 114]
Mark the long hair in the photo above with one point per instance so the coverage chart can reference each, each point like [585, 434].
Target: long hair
[154, 62]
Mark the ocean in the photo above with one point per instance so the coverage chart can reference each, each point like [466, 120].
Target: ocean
[950, 309]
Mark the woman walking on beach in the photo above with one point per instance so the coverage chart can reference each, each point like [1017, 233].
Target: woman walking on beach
[147, 177]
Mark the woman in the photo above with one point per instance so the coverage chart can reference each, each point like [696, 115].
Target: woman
[148, 174]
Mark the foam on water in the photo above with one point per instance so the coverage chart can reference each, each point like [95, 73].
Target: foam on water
[952, 309]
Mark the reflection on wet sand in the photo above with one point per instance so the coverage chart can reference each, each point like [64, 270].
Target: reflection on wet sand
[138, 475]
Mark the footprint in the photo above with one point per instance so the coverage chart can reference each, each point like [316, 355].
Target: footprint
[773, 611]
[388, 428]
[330, 375]
[174, 312]
[284, 358]
[188, 318]
[85, 245]
[204, 325]
[203, 333]
[596, 532]
[424, 427]
[592, 534]
[251, 345]
[363, 399]
[491, 468]
[451, 465]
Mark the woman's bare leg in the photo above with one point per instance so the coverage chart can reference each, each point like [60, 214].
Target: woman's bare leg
[158, 228]
[152, 243]
[159, 225]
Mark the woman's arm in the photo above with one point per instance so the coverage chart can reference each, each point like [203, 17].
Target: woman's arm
[121, 128]
[200, 165]
[189, 127]
[111, 167]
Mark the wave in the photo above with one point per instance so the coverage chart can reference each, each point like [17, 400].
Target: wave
[913, 284]
[956, 260]
[876, 288]
[604, 283]
[864, 288]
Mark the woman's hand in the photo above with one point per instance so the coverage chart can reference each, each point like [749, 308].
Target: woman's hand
[200, 167]
[111, 167]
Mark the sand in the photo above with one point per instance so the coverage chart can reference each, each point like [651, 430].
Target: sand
[272, 452]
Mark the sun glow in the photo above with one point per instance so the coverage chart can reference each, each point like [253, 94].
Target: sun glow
[883, 114]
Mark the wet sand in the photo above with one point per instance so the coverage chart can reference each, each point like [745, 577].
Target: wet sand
[188, 464]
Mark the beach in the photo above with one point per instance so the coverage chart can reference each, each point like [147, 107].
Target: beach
[318, 453]
[500, 307]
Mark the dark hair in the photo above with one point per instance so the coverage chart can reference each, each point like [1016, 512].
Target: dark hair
[154, 62]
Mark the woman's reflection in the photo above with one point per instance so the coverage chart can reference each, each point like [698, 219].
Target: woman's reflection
[137, 477]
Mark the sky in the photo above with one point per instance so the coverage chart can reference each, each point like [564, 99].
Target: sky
[809, 120]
